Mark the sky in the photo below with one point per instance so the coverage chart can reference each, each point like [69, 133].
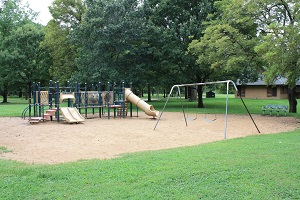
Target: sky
[40, 6]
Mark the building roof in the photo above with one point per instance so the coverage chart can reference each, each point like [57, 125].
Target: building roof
[260, 81]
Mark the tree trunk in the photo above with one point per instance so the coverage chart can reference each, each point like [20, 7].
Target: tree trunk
[29, 90]
[5, 94]
[292, 100]
[186, 92]
[200, 99]
[149, 92]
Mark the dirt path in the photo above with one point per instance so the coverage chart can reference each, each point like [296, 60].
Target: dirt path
[53, 142]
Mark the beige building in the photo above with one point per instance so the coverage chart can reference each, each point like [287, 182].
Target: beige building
[260, 90]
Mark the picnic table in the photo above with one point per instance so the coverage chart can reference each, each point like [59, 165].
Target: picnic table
[275, 108]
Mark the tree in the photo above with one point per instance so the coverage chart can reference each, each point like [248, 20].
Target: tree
[109, 37]
[67, 15]
[179, 22]
[279, 42]
[62, 52]
[227, 46]
[27, 60]
[143, 40]
[12, 16]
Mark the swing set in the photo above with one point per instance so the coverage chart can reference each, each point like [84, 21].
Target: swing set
[227, 82]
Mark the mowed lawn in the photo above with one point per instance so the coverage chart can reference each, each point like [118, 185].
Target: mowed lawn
[254, 167]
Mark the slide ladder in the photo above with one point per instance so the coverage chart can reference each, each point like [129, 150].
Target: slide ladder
[48, 115]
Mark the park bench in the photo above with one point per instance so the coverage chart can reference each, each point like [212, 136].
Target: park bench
[275, 108]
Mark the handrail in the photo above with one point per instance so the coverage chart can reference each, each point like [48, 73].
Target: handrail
[23, 116]
[24, 112]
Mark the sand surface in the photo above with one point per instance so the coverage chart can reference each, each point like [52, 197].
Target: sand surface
[53, 142]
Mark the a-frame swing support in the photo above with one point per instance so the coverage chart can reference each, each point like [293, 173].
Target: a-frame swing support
[208, 83]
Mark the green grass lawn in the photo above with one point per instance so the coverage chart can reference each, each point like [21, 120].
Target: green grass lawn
[212, 105]
[217, 105]
[13, 108]
[254, 167]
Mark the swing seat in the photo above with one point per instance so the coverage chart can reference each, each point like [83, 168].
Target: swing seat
[191, 119]
[210, 120]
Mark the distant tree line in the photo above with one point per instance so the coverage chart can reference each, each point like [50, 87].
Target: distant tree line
[150, 43]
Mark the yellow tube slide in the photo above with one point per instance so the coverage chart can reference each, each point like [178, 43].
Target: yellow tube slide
[148, 109]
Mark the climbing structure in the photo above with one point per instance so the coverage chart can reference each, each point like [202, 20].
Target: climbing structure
[54, 101]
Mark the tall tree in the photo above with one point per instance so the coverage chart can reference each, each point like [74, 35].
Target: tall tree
[27, 60]
[179, 22]
[279, 41]
[227, 47]
[145, 39]
[12, 16]
[67, 15]
[109, 38]
[62, 52]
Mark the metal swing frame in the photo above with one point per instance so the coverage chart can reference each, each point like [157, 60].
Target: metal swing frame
[228, 82]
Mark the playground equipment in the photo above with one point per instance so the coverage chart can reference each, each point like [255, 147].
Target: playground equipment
[228, 82]
[115, 98]
[80, 100]
[112, 99]
[51, 98]
[72, 115]
[148, 109]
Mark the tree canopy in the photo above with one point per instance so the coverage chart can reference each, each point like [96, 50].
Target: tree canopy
[145, 42]
[28, 61]
[110, 32]
[245, 38]
[279, 42]
[67, 15]
[21, 58]
[227, 46]
[153, 42]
